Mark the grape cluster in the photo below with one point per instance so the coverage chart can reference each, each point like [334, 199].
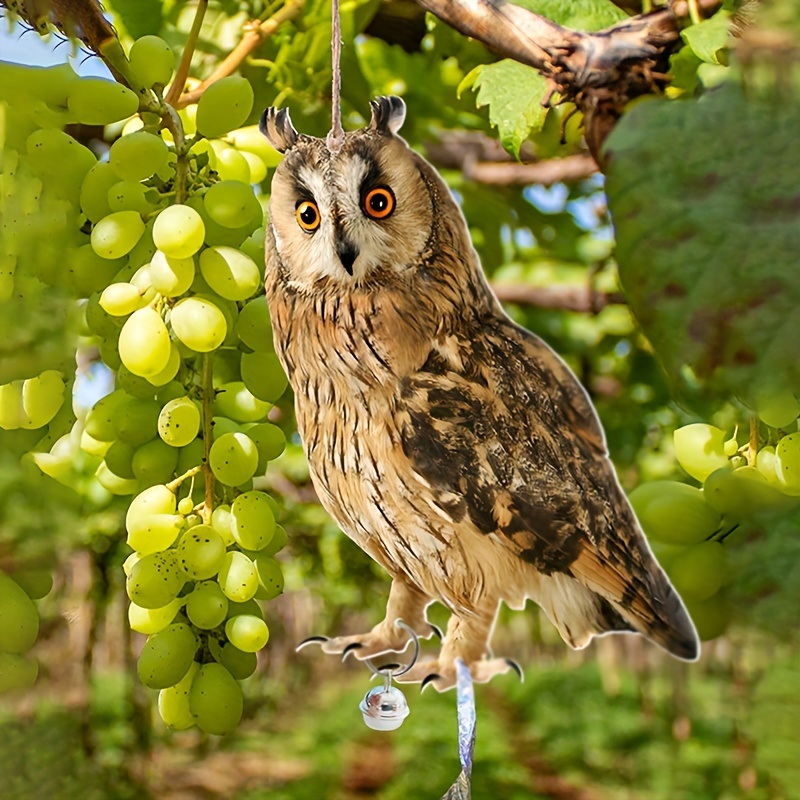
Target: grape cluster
[164, 240]
[687, 526]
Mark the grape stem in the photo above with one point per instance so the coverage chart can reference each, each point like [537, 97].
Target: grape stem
[182, 73]
[752, 450]
[207, 389]
[173, 485]
[173, 123]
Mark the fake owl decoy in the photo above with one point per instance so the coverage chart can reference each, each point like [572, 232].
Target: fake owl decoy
[453, 446]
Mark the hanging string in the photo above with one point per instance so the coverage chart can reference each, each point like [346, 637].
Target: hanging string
[335, 138]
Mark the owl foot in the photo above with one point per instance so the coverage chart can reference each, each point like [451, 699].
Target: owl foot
[441, 673]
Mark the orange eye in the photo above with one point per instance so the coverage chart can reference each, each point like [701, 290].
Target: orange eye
[379, 203]
[307, 215]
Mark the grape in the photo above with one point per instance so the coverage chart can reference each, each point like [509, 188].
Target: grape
[154, 500]
[151, 60]
[119, 459]
[253, 246]
[94, 447]
[144, 343]
[223, 523]
[710, 617]
[270, 578]
[673, 512]
[223, 425]
[778, 410]
[19, 620]
[767, 465]
[36, 583]
[232, 204]
[115, 235]
[111, 482]
[155, 462]
[230, 273]
[167, 656]
[200, 552]
[17, 672]
[170, 371]
[254, 327]
[155, 580]
[700, 571]
[130, 196]
[173, 702]
[236, 401]
[233, 458]
[270, 442]
[741, 492]
[224, 105]
[241, 665]
[137, 156]
[178, 231]
[207, 606]
[787, 463]
[96, 101]
[179, 422]
[144, 249]
[171, 276]
[42, 398]
[62, 162]
[185, 506]
[94, 191]
[89, 272]
[238, 577]
[11, 413]
[278, 542]
[129, 563]
[263, 375]
[246, 632]
[98, 421]
[258, 169]
[199, 324]
[700, 449]
[153, 620]
[252, 140]
[121, 299]
[136, 421]
[254, 522]
[153, 533]
[215, 699]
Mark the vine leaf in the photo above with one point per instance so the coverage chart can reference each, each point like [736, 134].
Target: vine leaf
[582, 15]
[140, 17]
[708, 37]
[705, 196]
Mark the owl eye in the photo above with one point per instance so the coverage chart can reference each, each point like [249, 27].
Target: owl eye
[307, 215]
[379, 203]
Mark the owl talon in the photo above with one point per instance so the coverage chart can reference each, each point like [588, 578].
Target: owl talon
[311, 640]
[428, 680]
[436, 631]
[516, 667]
[352, 647]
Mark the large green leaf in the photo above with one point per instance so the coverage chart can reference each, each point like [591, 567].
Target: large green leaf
[705, 196]
[140, 17]
[708, 37]
[585, 15]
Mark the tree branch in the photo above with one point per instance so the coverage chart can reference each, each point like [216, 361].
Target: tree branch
[563, 298]
[555, 170]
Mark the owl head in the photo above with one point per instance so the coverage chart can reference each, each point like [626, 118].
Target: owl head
[370, 212]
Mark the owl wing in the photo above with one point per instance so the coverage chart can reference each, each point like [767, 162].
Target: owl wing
[510, 438]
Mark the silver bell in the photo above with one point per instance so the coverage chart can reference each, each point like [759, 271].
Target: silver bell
[384, 708]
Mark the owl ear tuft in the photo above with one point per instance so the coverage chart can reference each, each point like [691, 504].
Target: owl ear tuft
[278, 129]
[388, 114]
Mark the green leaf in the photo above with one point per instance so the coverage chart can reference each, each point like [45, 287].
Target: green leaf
[139, 17]
[586, 15]
[705, 200]
[514, 95]
[708, 37]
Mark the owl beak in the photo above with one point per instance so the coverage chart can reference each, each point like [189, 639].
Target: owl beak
[348, 253]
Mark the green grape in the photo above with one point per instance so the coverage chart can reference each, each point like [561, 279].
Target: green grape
[215, 699]
[253, 141]
[232, 204]
[270, 442]
[109, 352]
[731, 447]
[700, 571]
[19, 620]
[233, 458]
[129, 563]
[113, 483]
[170, 371]
[62, 162]
[191, 456]
[98, 421]
[138, 155]
[767, 465]
[253, 246]
[223, 523]
[11, 413]
[263, 375]
[224, 105]
[154, 533]
[151, 60]
[178, 231]
[207, 606]
[230, 273]
[223, 425]
[778, 410]
[700, 449]
[231, 165]
[153, 620]
[136, 421]
[167, 656]
[238, 577]
[199, 324]
[185, 506]
[89, 272]
[145, 248]
[673, 512]
[277, 543]
[155, 462]
[154, 500]
[115, 235]
[270, 577]
[710, 617]
[17, 672]
[98, 321]
[787, 464]
[254, 522]
[171, 276]
[253, 326]
[42, 398]
[121, 299]
[179, 422]
[248, 633]
[241, 665]
[258, 169]
[173, 702]
[94, 447]
[36, 583]
[144, 343]
[155, 580]
[742, 492]
[130, 196]
[119, 459]
[96, 101]
[237, 402]
[94, 191]
[200, 552]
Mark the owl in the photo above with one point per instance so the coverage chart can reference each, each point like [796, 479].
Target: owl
[453, 446]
